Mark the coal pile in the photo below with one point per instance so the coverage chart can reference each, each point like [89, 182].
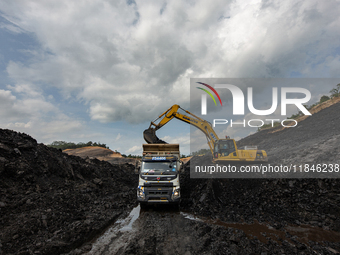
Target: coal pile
[257, 215]
[314, 140]
[50, 202]
[277, 201]
[281, 203]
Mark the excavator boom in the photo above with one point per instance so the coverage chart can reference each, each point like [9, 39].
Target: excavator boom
[221, 149]
[150, 133]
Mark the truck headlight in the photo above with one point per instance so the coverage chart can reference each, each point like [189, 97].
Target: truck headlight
[176, 193]
[140, 193]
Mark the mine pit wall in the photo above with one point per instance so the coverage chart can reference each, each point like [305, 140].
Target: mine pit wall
[50, 202]
[280, 202]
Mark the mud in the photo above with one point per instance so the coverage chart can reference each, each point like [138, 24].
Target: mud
[164, 231]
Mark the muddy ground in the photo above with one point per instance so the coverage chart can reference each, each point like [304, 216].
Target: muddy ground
[232, 216]
[53, 203]
[164, 231]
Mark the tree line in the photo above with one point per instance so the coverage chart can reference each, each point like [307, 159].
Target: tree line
[69, 145]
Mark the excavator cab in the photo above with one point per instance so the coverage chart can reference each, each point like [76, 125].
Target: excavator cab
[224, 148]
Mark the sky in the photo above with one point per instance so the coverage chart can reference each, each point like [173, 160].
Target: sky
[100, 71]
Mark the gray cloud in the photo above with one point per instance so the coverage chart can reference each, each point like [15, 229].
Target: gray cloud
[126, 60]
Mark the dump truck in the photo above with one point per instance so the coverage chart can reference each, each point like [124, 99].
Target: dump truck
[159, 175]
[222, 150]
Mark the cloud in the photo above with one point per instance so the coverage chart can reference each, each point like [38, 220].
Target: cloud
[118, 136]
[47, 131]
[14, 109]
[180, 140]
[124, 61]
[31, 113]
[128, 61]
[11, 28]
[134, 149]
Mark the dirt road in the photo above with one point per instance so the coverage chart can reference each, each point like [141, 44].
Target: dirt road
[163, 231]
[154, 231]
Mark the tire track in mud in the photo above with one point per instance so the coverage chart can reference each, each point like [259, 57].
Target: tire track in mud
[164, 231]
[115, 239]
[153, 231]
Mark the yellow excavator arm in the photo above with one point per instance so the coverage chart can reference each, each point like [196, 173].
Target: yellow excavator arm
[172, 112]
[223, 150]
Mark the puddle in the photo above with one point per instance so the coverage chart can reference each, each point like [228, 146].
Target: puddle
[191, 217]
[133, 216]
[263, 232]
[307, 233]
[117, 233]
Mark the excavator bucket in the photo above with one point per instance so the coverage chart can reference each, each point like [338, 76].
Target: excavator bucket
[150, 136]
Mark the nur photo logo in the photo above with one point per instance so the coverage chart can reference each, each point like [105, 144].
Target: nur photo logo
[280, 98]
[204, 97]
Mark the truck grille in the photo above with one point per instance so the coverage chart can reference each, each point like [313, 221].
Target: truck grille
[158, 192]
[161, 178]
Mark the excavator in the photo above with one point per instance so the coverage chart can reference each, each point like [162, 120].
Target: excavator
[223, 150]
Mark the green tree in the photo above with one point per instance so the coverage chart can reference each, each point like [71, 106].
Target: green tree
[69, 145]
[336, 91]
[324, 99]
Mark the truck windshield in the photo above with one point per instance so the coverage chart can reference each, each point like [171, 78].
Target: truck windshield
[150, 168]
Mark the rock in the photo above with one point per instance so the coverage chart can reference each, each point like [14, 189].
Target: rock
[97, 181]
[291, 184]
[5, 148]
[332, 250]
[17, 151]
[2, 204]
[202, 197]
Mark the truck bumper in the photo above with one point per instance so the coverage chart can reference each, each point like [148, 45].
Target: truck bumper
[158, 195]
[154, 200]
